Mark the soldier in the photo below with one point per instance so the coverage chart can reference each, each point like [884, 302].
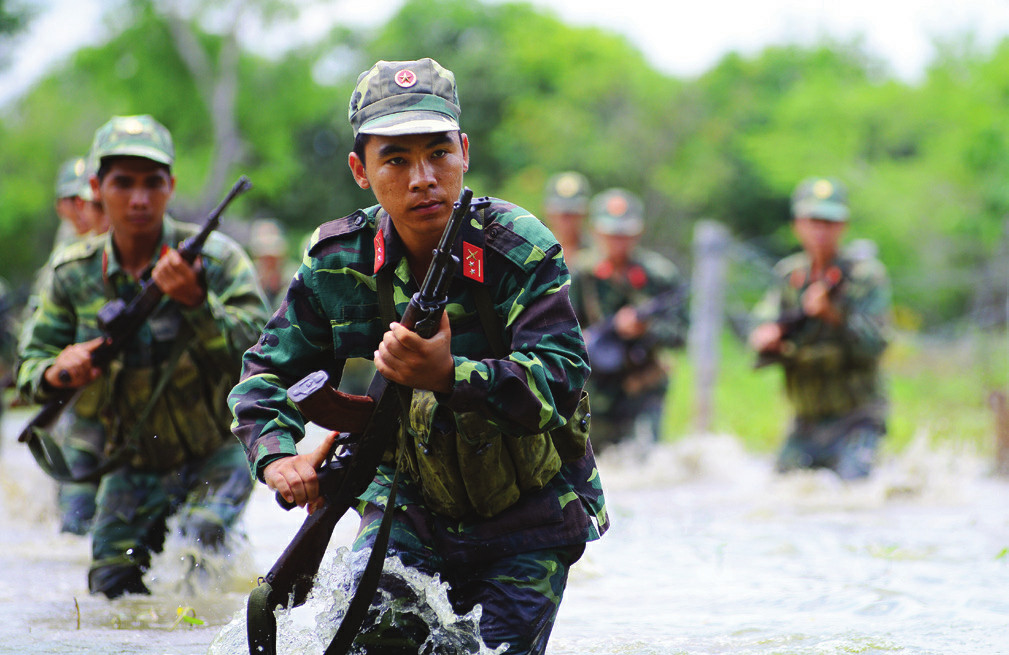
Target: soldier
[69, 178]
[566, 207]
[163, 401]
[472, 505]
[268, 248]
[78, 430]
[632, 304]
[827, 324]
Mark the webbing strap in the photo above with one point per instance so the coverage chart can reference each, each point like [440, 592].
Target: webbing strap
[261, 624]
[357, 611]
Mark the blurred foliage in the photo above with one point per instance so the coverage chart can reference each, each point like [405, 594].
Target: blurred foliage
[925, 163]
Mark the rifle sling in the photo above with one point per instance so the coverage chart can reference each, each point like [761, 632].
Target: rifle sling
[49, 455]
[357, 610]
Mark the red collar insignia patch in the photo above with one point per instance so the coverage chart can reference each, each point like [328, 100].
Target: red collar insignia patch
[379, 250]
[472, 265]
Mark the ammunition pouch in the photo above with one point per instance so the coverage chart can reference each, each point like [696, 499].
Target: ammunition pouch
[188, 420]
[466, 466]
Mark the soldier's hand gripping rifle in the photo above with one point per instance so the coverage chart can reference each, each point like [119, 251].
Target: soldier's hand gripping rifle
[792, 320]
[609, 353]
[367, 426]
[118, 321]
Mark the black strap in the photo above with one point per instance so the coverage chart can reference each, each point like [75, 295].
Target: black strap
[357, 611]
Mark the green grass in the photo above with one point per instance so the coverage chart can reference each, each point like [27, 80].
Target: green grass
[938, 388]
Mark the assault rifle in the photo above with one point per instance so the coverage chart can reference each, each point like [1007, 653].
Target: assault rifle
[118, 321]
[792, 319]
[367, 427]
[609, 354]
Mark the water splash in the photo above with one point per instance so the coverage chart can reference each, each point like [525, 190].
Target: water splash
[419, 612]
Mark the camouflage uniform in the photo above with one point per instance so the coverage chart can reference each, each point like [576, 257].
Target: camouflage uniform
[832, 372]
[628, 398]
[182, 457]
[512, 559]
[81, 436]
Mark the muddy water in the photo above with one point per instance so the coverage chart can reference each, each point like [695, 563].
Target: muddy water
[709, 552]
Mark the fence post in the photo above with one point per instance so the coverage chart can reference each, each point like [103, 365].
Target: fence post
[707, 315]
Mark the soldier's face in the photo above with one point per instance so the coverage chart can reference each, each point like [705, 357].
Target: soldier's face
[134, 194]
[819, 237]
[415, 177]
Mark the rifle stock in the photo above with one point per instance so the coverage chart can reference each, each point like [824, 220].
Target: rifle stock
[120, 321]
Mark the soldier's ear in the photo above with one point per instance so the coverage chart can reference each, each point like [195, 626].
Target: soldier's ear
[358, 170]
[464, 144]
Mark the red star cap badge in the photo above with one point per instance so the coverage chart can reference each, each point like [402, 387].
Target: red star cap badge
[406, 78]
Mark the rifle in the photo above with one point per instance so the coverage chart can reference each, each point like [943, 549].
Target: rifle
[367, 427]
[118, 321]
[792, 319]
[609, 354]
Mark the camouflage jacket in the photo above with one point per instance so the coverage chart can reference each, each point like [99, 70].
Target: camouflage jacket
[191, 417]
[597, 294]
[331, 314]
[832, 370]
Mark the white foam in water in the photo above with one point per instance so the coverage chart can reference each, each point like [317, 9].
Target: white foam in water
[311, 627]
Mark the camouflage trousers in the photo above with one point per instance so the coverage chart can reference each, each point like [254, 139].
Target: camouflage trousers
[83, 442]
[846, 445]
[208, 495]
[519, 593]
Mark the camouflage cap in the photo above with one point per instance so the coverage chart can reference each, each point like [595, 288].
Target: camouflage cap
[820, 197]
[84, 191]
[133, 136]
[405, 97]
[618, 212]
[567, 193]
[266, 238]
[68, 177]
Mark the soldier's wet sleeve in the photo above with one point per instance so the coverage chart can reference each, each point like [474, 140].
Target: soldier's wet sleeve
[293, 344]
[538, 385]
[669, 327]
[867, 308]
[235, 311]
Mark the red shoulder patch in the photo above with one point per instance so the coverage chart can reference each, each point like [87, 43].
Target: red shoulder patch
[379, 250]
[472, 265]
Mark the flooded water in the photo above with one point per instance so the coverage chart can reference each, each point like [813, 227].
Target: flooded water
[709, 552]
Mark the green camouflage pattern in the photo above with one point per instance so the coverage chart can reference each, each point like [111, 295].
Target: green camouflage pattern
[188, 425]
[82, 440]
[568, 192]
[84, 276]
[627, 399]
[617, 212]
[825, 198]
[68, 177]
[331, 315]
[831, 371]
[207, 495]
[133, 136]
[846, 445]
[528, 585]
[405, 97]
